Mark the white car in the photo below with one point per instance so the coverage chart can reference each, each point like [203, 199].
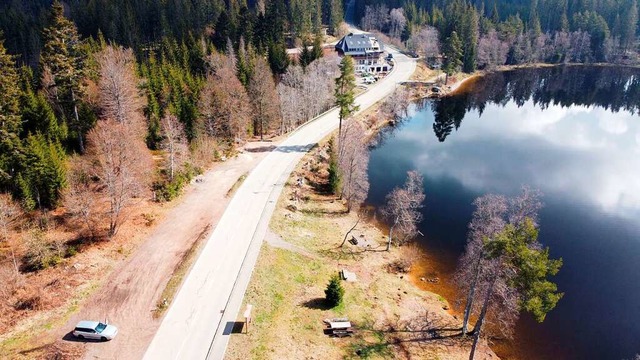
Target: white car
[369, 80]
[95, 330]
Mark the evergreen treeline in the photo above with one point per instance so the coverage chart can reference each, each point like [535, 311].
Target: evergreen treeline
[477, 33]
[141, 24]
[200, 71]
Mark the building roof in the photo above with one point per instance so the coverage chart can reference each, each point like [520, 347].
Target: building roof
[359, 41]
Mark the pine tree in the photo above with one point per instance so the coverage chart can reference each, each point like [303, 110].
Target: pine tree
[495, 16]
[10, 121]
[225, 29]
[306, 55]
[534, 19]
[337, 15]
[334, 292]
[278, 58]
[629, 24]
[44, 173]
[453, 54]
[317, 46]
[64, 56]
[470, 36]
[344, 92]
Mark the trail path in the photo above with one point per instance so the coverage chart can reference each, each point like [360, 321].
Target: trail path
[130, 293]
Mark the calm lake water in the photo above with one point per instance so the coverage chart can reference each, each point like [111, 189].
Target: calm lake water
[574, 133]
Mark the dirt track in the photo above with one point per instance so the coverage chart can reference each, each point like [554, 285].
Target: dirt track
[130, 293]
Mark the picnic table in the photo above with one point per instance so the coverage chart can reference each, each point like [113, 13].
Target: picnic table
[339, 327]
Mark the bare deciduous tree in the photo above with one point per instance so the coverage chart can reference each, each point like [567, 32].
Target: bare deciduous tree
[122, 164]
[397, 23]
[491, 50]
[496, 268]
[353, 161]
[264, 98]
[224, 104]
[306, 94]
[376, 17]
[425, 42]
[9, 212]
[120, 99]
[80, 197]
[174, 143]
[397, 104]
[403, 206]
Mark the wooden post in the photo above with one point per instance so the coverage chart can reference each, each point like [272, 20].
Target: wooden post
[247, 316]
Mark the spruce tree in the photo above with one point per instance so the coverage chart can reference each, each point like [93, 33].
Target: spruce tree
[64, 55]
[453, 54]
[344, 92]
[334, 292]
[44, 172]
[10, 121]
[470, 36]
[278, 58]
[317, 46]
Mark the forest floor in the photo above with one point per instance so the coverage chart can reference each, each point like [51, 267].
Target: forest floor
[393, 318]
[125, 279]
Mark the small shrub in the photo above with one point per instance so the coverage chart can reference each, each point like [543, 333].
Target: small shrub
[41, 254]
[11, 281]
[334, 292]
[31, 299]
[166, 190]
[149, 219]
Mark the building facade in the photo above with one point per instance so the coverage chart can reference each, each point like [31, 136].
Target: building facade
[367, 52]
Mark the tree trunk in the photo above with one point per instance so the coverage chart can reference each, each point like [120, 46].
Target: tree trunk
[478, 328]
[349, 232]
[78, 126]
[472, 290]
[391, 234]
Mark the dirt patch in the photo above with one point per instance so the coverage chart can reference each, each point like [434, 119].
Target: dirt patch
[392, 317]
[146, 252]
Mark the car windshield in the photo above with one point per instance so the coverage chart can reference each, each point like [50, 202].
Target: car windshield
[100, 328]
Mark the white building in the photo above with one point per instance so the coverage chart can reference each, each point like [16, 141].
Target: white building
[366, 50]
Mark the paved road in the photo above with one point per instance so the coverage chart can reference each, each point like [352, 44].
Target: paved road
[196, 325]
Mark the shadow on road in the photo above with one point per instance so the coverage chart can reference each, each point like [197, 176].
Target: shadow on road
[233, 327]
[284, 149]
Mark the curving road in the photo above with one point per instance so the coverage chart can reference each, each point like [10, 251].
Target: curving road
[196, 325]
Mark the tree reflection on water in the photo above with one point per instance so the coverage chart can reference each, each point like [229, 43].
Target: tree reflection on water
[612, 88]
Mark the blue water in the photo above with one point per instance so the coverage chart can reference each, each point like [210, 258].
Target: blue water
[562, 131]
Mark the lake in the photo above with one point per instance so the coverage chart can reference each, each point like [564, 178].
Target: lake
[574, 133]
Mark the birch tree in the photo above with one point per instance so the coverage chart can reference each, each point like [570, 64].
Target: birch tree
[397, 22]
[174, 143]
[402, 208]
[353, 161]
